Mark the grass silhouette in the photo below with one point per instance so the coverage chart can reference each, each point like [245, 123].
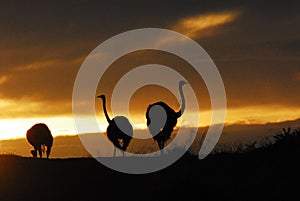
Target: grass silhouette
[270, 172]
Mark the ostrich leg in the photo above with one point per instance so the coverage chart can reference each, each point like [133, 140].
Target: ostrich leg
[48, 151]
[115, 150]
[40, 151]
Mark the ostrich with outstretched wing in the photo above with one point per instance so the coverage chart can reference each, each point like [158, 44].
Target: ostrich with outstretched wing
[161, 118]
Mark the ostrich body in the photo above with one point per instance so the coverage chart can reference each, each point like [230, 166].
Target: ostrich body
[162, 132]
[39, 136]
[119, 130]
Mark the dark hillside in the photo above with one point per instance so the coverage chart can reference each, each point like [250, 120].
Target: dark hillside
[268, 173]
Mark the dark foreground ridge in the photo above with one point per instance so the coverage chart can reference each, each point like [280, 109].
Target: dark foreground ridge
[267, 173]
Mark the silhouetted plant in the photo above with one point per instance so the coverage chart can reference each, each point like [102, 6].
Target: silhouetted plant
[297, 132]
[239, 148]
[251, 147]
[287, 137]
[268, 141]
[284, 135]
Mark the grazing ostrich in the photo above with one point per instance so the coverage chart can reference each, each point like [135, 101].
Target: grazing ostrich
[161, 124]
[39, 136]
[119, 130]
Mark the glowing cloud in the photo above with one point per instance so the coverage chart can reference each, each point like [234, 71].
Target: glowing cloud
[26, 108]
[192, 26]
[48, 64]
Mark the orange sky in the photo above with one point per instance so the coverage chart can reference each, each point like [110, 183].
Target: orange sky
[42, 47]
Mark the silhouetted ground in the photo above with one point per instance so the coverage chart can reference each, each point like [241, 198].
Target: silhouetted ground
[268, 173]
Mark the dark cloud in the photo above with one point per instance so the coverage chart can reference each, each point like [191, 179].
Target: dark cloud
[42, 45]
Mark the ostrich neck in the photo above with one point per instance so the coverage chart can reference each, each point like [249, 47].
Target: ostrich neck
[179, 113]
[105, 111]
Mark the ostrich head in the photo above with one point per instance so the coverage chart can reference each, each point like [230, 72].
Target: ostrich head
[182, 82]
[102, 96]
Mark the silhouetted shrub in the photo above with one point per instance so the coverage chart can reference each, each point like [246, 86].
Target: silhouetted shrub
[288, 138]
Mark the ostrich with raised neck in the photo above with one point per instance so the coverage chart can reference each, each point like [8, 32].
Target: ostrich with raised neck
[161, 118]
[119, 130]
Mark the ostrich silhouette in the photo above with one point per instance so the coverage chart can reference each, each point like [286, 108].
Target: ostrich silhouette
[39, 136]
[161, 118]
[119, 130]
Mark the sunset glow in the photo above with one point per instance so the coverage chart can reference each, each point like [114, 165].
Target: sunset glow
[260, 69]
[16, 128]
[149, 100]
